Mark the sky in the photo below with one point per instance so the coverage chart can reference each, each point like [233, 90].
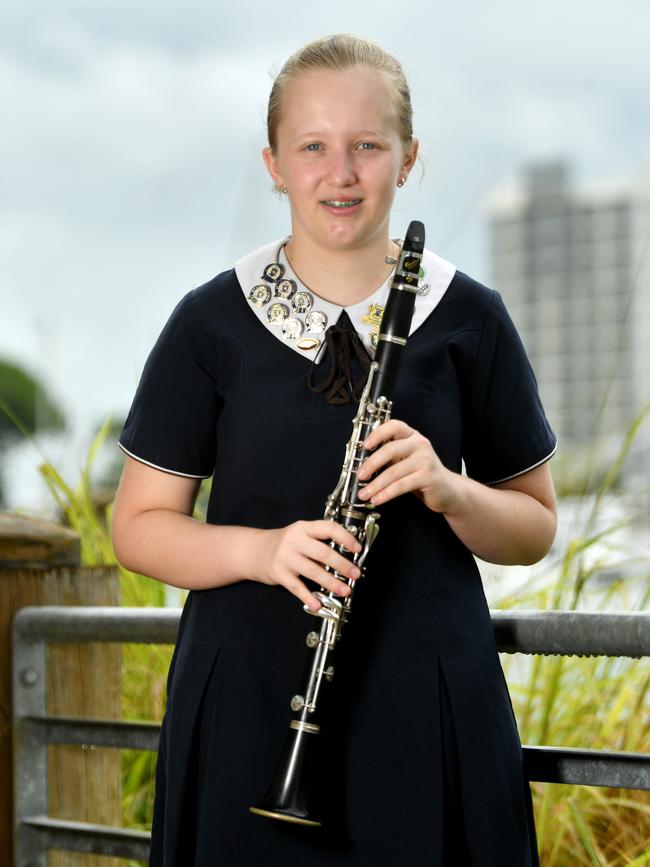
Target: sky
[130, 166]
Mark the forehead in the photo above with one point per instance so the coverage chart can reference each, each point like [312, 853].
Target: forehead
[357, 97]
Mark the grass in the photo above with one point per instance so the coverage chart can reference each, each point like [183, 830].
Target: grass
[598, 703]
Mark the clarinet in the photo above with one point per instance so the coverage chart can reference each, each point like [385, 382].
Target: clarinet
[292, 794]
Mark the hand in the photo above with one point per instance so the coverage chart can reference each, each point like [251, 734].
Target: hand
[302, 550]
[410, 465]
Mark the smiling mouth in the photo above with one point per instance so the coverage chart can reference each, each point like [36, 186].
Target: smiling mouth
[337, 203]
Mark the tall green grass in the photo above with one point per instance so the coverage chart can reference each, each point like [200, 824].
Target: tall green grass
[597, 703]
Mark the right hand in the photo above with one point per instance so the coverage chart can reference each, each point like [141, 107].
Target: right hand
[302, 550]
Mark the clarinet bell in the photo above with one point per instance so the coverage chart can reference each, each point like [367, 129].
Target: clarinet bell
[289, 797]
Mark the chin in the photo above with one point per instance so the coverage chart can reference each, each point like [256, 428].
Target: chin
[349, 237]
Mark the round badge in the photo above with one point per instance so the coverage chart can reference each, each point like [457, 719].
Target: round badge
[316, 321]
[292, 328]
[285, 288]
[259, 295]
[302, 301]
[273, 272]
[277, 313]
[307, 343]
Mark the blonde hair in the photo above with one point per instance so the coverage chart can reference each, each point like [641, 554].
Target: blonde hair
[338, 52]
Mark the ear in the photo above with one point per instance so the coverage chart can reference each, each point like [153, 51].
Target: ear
[411, 155]
[271, 163]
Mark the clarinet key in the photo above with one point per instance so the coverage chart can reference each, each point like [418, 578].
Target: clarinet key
[297, 702]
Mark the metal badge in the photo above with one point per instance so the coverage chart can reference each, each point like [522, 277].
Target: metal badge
[316, 321]
[273, 272]
[373, 318]
[308, 343]
[424, 289]
[302, 301]
[277, 313]
[259, 295]
[285, 288]
[292, 328]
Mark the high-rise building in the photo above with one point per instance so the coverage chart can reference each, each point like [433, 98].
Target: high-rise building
[573, 265]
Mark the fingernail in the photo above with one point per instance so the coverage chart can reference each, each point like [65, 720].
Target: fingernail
[355, 572]
[357, 547]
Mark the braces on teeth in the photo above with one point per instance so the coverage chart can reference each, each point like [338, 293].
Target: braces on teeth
[337, 204]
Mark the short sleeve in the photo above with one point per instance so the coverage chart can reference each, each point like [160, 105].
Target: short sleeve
[505, 430]
[172, 421]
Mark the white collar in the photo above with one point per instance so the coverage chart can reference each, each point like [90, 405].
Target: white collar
[298, 317]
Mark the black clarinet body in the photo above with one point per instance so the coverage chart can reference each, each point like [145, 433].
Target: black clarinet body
[293, 793]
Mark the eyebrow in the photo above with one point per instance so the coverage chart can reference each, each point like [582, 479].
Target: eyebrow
[360, 133]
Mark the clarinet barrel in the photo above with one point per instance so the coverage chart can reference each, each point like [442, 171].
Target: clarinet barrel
[294, 791]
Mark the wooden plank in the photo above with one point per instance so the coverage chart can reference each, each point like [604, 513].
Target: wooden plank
[35, 544]
[39, 565]
[84, 784]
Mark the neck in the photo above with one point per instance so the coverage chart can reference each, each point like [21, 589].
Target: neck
[343, 277]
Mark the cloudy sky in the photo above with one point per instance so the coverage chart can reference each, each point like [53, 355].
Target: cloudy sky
[131, 133]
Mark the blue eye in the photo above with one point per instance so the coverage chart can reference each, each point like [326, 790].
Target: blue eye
[367, 145]
[314, 146]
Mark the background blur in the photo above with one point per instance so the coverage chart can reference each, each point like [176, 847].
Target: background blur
[131, 172]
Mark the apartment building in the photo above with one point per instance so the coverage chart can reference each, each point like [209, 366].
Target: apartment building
[573, 265]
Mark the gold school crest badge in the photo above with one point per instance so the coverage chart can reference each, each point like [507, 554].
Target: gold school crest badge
[373, 318]
[376, 311]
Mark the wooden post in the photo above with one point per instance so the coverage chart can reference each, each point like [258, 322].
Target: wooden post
[39, 565]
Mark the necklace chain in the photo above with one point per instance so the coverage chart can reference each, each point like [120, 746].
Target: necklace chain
[391, 261]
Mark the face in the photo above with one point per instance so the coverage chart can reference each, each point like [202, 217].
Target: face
[339, 155]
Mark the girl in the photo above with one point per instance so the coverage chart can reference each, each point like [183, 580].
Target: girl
[253, 381]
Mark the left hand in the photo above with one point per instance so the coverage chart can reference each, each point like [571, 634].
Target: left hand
[410, 464]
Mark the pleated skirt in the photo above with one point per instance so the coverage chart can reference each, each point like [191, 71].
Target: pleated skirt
[419, 762]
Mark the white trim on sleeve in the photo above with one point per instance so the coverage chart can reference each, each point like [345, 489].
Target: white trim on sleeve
[528, 469]
[156, 467]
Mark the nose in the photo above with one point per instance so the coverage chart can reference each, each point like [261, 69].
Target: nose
[341, 170]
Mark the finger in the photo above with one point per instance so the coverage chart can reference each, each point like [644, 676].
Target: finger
[331, 530]
[327, 556]
[391, 429]
[389, 475]
[295, 585]
[390, 452]
[315, 572]
[403, 485]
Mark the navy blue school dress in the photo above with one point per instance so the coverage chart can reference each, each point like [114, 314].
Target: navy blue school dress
[421, 760]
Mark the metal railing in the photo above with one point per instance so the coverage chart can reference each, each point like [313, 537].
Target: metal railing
[531, 632]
